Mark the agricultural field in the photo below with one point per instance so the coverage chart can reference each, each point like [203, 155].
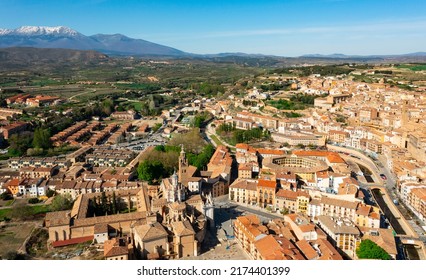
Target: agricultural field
[13, 235]
[413, 67]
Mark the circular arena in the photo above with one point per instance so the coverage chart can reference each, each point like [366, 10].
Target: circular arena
[302, 166]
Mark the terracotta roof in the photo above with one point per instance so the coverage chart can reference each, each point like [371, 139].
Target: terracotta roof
[178, 206]
[345, 189]
[72, 241]
[249, 219]
[270, 152]
[322, 174]
[363, 210]
[14, 182]
[182, 228]
[419, 192]
[374, 215]
[116, 251]
[288, 194]
[242, 146]
[151, 231]
[307, 228]
[57, 218]
[245, 166]
[332, 157]
[244, 184]
[101, 228]
[266, 183]
[115, 247]
[134, 216]
[339, 202]
[269, 248]
[306, 249]
[327, 251]
[315, 202]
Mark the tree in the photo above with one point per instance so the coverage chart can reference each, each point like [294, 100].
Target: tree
[61, 202]
[300, 146]
[114, 204]
[19, 144]
[50, 193]
[104, 203]
[192, 141]
[151, 170]
[370, 250]
[6, 196]
[14, 255]
[41, 139]
[33, 200]
[201, 160]
[107, 106]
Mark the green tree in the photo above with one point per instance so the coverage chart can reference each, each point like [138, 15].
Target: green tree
[33, 200]
[114, 204]
[151, 170]
[41, 139]
[104, 203]
[300, 146]
[19, 144]
[50, 193]
[370, 250]
[61, 202]
[107, 106]
[201, 160]
[6, 196]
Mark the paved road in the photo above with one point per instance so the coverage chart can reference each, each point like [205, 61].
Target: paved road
[390, 185]
[225, 211]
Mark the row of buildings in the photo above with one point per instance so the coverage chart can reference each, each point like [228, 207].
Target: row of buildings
[296, 237]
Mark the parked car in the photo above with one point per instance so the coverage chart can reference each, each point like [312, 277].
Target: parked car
[383, 176]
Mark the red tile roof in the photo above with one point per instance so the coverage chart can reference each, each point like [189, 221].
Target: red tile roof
[267, 183]
[72, 241]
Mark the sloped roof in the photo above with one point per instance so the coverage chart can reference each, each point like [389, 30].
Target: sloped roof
[182, 228]
[151, 231]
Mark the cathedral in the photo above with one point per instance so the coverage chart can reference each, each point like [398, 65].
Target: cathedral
[181, 192]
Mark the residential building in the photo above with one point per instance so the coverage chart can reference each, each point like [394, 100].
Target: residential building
[343, 234]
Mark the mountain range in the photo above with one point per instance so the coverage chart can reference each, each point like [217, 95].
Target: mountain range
[66, 38]
[61, 37]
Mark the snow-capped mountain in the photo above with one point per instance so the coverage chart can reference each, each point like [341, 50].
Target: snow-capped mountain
[67, 38]
[40, 30]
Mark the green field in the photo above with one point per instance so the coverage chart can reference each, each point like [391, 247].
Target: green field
[413, 67]
[34, 210]
[132, 105]
[4, 213]
[216, 140]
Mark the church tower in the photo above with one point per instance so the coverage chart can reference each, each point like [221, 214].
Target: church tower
[183, 164]
[208, 210]
[174, 180]
[404, 117]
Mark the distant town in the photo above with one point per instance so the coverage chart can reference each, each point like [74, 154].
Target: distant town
[304, 162]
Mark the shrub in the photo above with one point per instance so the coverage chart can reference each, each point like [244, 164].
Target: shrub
[33, 200]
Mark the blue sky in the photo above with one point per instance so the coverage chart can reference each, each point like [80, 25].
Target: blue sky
[286, 27]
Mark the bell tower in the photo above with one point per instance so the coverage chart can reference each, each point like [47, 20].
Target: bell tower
[183, 163]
